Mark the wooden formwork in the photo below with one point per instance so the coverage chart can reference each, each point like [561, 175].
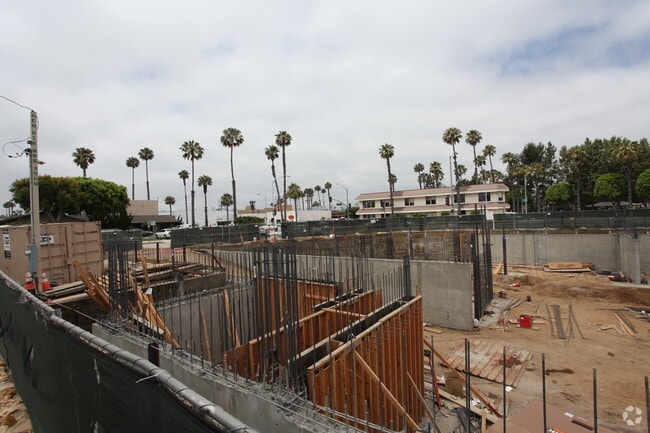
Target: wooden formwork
[274, 347]
[377, 377]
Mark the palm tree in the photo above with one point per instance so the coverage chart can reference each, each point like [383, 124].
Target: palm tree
[309, 193]
[205, 181]
[481, 160]
[328, 186]
[272, 152]
[473, 137]
[452, 137]
[282, 140]
[226, 201]
[294, 193]
[489, 151]
[9, 206]
[437, 173]
[170, 201]
[184, 175]
[83, 157]
[132, 163]
[318, 189]
[625, 152]
[146, 155]
[193, 151]
[419, 168]
[232, 138]
[387, 151]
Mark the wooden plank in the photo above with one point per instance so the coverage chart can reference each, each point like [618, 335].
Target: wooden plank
[461, 403]
[386, 392]
[206, 339]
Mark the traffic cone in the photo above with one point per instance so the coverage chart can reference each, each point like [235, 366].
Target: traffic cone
[45, 284]
[29, 283]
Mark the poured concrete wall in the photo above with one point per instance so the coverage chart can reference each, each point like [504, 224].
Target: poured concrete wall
[610, 251]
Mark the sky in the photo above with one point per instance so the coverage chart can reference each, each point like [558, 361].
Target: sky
[343, 78]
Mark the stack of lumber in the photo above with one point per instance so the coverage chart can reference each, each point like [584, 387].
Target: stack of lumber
[568, 267]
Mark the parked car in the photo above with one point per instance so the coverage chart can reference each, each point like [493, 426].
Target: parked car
[164, 234]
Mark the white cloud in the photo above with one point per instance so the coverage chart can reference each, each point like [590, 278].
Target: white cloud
[342, 78]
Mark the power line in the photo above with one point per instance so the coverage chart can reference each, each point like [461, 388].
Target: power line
[16, 103]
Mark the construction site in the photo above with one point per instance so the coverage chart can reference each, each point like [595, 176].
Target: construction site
[386, 332]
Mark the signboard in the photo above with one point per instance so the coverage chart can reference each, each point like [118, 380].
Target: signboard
[47, 239]
[6, 242]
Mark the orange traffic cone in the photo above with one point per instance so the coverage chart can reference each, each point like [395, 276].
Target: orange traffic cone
[45, 284]
[29, 283]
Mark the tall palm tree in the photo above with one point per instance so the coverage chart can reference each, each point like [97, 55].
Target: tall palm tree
[205, 181]
[318, 189]
[489, 151]
[83, 157]
[625, 152]
[193, 151]
[452, 137]
[419, 168]
[232, 138]
[282, 140]
[170, 201]
[184, 175]
[473, 137]
[226, 201]
[272, 152]
[9, 206]
[309, 194]
[481, 160]
[437, 173]
[132, 163]
[146, 155]
[294, 192]
[328, 186]
[387, 151]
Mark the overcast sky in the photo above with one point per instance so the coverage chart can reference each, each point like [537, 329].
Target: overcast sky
[342, 78]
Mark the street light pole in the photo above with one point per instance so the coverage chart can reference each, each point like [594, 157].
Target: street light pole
[262, 195]
[347, 201]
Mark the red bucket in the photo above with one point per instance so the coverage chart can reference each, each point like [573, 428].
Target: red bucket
[525, 321]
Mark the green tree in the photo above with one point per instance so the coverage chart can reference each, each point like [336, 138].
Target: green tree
[559, 194]
[328, 186]
[452, 137]
[204, 181]
[489, 151]
[226, 201]
[387, 151]
[83, 157]
[437, 173]
[642, 186]
[231, 138]
[170, 201]
[132, 163]
[625, 152]
[249, 219]
[193, 151]
[9, 207]
[610, 187]
[294, 192]
[282, 140]
[419, 169]
[184, 175]
[473, 137]
[272, 152]
[146, 155]
[105, 201]
[309, 194]
[57, 195]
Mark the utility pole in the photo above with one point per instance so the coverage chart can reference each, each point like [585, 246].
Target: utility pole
[34, 262]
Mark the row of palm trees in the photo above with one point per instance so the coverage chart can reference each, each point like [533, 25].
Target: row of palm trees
[145, 154]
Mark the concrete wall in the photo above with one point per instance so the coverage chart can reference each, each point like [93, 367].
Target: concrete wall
[446, 287]
[609, 251]
[242, 399]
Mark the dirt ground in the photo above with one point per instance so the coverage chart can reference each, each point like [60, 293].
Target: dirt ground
[13, 416]
[621, 361]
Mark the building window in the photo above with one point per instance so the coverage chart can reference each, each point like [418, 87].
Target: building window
[368, 204]
[447, 200]
[483, 196]
[500, 196]
[431, 200]
[462, 198]
[409, 201]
